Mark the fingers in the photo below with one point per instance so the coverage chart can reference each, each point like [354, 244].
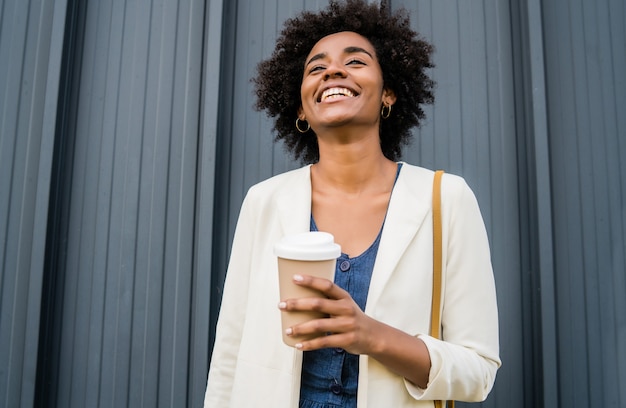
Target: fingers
[332, 333]
[334, 340]
[330, 307]
[345, 323]
[341, 329]
[335, 332]
[326, 304]
[327, 287]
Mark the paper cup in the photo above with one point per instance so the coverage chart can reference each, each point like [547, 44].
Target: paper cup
[310, 253]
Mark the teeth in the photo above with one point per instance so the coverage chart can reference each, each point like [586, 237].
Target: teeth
[335, 92]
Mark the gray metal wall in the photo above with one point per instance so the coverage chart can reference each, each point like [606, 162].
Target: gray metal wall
[121, 314]
[31, 44]
[585, 44]
[128, 140]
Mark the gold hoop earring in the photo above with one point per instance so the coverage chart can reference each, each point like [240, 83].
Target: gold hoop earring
[384, 114]
[308, 126]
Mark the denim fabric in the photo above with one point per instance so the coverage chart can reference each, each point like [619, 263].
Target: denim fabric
[330, 376]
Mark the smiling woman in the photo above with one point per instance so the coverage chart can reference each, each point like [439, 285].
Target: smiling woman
[355, 75]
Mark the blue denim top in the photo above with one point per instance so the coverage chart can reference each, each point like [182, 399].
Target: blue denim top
[330, 376]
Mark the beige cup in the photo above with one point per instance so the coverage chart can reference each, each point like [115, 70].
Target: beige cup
[310, 253]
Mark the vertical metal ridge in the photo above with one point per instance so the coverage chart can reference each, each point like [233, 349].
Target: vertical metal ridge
[545, 245]
[616, 149]
[203, 300]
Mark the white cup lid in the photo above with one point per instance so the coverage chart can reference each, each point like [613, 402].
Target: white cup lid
[308, 246]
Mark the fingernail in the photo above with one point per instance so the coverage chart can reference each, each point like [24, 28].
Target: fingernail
[288, 331]
[282, 305]
[298, 346]
[298, 278]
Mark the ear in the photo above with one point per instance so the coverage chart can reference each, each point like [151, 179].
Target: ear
[301, 115]
[389, 97]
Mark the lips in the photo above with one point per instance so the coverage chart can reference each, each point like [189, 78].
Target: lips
[336, 92]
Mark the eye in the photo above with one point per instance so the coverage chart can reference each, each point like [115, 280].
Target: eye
[355, 61]
[316, 68]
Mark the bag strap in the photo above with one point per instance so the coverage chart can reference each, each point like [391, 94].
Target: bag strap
[435, 318]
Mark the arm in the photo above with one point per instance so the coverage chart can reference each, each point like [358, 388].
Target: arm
[464, 364]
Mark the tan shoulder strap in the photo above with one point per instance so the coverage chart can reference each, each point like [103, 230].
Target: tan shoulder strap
[435, 319]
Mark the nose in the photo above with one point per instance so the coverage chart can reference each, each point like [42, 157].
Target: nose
[335, 71]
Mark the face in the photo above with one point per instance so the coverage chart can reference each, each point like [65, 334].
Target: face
[342, 83]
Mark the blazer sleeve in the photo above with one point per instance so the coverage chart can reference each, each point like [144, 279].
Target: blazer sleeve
[464, 364]
[232, 312]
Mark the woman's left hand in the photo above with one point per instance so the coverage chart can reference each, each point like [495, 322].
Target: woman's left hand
[347, 326]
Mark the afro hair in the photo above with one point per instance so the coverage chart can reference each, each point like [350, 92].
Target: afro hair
[403, 56]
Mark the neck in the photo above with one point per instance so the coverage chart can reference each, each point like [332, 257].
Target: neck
[353, 165]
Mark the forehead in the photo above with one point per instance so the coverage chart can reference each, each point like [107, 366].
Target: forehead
[340, 41]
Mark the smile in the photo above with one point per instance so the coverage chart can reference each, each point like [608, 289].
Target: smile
[332, 93]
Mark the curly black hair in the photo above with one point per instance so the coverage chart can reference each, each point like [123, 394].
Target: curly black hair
[403, 57]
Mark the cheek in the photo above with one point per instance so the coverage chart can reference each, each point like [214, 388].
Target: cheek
[306, 93]
[305, 87]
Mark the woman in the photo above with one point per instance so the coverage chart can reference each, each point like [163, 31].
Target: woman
[345, 87]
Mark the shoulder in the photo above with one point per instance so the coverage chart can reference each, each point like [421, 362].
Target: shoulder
[282, 201]
[274, 193]
[283, 181]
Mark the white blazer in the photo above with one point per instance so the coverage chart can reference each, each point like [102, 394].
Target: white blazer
[251, 367]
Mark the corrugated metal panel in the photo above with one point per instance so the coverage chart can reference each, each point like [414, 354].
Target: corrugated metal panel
[31, 39]
[540, 368]
[585, 65]
[125, 301]
[203, 302]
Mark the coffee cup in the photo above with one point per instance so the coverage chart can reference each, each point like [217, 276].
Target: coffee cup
[310, 253]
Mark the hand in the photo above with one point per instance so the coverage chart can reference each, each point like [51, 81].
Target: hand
[352, 330]
[348, 327]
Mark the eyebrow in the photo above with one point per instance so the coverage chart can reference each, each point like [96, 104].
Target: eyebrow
[347, 50]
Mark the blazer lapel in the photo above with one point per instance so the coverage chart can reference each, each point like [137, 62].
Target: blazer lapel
[410, 203]
[293, 201]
